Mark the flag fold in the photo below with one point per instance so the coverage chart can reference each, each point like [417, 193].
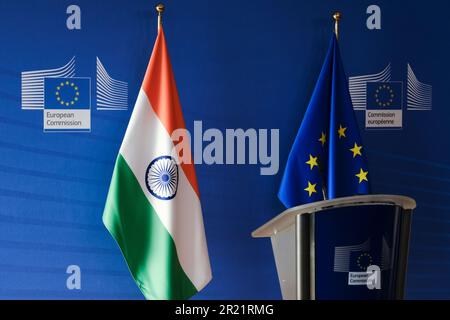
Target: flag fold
[327, 158]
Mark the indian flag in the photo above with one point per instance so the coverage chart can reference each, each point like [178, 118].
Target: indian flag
[153, 207]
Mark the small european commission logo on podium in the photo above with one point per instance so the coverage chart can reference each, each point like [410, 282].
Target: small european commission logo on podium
[67, 104]
[384, 105]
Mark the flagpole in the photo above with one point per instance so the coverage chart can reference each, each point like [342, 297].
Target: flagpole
[337, 17]
[160, 9]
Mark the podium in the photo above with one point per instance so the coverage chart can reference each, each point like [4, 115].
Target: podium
[346, 248]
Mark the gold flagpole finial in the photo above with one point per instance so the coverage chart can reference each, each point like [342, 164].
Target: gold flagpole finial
[160, 9]
[337, 17]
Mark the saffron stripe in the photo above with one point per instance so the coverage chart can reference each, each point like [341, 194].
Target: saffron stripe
[160, 88]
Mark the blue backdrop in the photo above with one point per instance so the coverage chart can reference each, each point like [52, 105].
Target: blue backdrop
[251, 65]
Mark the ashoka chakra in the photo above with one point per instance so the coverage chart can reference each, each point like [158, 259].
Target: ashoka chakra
[161, 178]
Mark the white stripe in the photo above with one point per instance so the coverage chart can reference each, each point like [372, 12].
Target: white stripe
[112, 94]
[33, 84]
[420, 95]
[358, 86]
[146, 139]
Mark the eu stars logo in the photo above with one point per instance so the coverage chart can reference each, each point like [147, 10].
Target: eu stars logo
[66, 99]
[67, 93]
[383, 100]
[384, 105]
[384, 95]
[67, 104]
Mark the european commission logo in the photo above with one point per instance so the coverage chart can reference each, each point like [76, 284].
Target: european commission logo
[384, 104]
[358, 260]
[383, 99]
[66, 99]
[67, 104]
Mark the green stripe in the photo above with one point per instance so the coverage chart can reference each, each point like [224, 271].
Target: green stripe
[147, 246]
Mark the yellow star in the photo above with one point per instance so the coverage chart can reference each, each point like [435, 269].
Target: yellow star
[312, 162]
[323, 138]
[341, 131]
[356, 150]
[362, 175]
[311, 188]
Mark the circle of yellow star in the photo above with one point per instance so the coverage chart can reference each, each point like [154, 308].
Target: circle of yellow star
[323, 138]
[312, 162]
[356, 150]
[385, 99]
[311, 188]
[341, 131]
[362, 256]
[73, 87]
[362, 175]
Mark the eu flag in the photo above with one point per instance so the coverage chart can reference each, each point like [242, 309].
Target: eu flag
[67, 93]
[327, 159]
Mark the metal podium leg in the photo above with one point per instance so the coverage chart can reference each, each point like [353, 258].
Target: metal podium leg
[302, 248]
[402, 262]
